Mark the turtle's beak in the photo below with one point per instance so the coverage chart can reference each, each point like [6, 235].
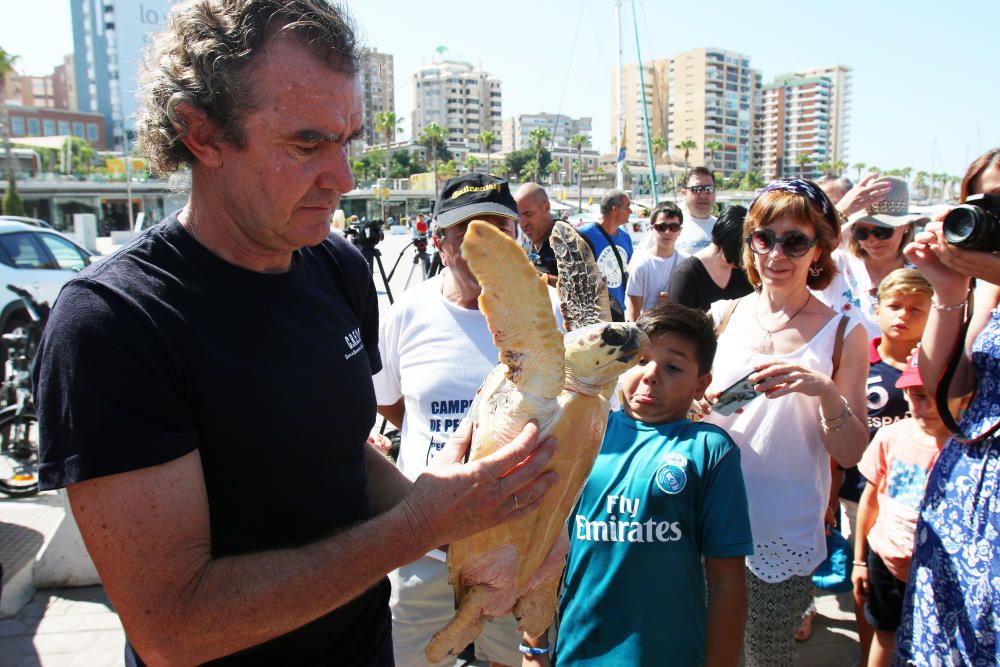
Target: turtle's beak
[628, 338]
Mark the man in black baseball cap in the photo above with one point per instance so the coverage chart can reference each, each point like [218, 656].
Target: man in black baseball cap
[464, 199]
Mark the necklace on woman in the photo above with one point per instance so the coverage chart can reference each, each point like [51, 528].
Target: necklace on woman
[769, 332]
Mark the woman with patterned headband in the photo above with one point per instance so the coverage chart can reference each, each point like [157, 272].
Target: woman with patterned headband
[806, 360]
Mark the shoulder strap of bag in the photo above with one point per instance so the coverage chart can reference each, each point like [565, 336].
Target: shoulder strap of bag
[838, 344]
[614, 248]
[725, 317]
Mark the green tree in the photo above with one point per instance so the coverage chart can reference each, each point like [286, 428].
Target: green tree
[803, 159]
[905, 173]
[920, 181]
[12, 202]
[659, 145]
[553, 169]
[7, 61]
[387, 123]
[538, 137]
[859, 166]
[433, 136]
[471, 162]
[578, 141]
[513, 163]
[488, 139]
[687, 146]
[401, 165]
[839, 166]
[449, 170]
[712, 147]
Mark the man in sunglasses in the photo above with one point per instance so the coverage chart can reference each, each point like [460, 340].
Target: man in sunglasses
[699, 204]
[535, 219]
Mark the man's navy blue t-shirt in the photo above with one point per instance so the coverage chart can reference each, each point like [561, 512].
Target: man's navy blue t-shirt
[164, 349]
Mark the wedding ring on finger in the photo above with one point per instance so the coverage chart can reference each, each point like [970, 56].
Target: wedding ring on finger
[516, 505]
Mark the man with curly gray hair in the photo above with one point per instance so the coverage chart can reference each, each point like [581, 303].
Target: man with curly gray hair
[205, 393]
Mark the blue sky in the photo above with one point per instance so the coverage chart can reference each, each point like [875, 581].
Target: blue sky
[926, 87]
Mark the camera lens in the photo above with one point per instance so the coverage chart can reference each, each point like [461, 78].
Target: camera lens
[961, 223]
[973, 226]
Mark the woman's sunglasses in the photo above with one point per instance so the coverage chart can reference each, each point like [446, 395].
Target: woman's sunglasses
[880, 233]
[795, 244]
[667, 226]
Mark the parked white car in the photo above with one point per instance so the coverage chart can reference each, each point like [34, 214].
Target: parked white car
[38, 259]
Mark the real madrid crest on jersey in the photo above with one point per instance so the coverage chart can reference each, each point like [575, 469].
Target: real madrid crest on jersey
[671, 477]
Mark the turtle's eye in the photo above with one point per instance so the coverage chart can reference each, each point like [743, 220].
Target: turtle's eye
[615, 336]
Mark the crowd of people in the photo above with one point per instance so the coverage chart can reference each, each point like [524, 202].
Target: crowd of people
[810, 357]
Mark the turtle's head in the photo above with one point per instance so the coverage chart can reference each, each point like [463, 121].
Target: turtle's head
[597, 354]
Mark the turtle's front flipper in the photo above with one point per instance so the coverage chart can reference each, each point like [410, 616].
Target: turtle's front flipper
[462, 629]
[583, 292]
[516, 303]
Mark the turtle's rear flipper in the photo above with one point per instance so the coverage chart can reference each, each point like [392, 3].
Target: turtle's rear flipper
[535, 609]
[583, 292]
[462, 629]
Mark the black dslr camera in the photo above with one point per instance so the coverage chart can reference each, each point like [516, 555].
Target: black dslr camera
[975, 225]
[365, 235]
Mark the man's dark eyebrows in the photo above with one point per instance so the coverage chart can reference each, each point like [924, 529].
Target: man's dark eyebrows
[317, 137]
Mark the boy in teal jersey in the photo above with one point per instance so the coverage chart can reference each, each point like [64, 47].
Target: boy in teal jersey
[663, 510]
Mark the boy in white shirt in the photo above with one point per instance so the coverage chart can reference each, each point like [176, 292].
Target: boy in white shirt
[650, 272]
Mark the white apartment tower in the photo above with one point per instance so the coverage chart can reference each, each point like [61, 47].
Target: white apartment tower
[463, 100]
[804, 122]
[377, 91]
[516, 132]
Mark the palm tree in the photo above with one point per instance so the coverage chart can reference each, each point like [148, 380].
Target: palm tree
[578, 141]
[471, 162]
[802, 159]
[859, 166]
[712, 147]
[687, 146]
[824, 167]
[538, 136]
[839, 166]
[488, 138]
[449, 170]
[388, 122]
[920, 182]
[905, 173]
[433, 135]
[553, 168]
[659, 145]
[7, 61]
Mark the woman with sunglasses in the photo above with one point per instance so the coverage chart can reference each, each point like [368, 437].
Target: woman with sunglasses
[874, 250]
[649, 272]
[951, 612]
[808, 362]
[715, 272]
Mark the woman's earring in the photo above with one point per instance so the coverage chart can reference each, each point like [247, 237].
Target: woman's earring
[816, 270]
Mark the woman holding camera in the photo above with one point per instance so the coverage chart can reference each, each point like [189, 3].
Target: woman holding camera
[808, 361]
[951, 614]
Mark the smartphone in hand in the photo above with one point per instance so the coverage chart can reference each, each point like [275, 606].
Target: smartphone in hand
[735, 396]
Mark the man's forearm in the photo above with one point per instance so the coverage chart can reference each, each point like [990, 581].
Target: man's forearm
[232, 603]
[387, 485]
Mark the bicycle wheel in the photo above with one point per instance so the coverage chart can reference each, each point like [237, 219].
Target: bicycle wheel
[18, 453]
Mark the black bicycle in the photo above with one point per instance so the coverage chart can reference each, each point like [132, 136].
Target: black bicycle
[18, 423]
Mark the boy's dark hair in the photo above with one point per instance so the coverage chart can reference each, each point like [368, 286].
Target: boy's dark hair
[690, 323]
[727, 234]
[667, 209]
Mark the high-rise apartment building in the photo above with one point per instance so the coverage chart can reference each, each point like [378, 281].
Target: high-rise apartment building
[109, 38]
[516, 132]
[463, 100]
[64, 85]
[654, 82]
[840, 108]
[377, 91]
[804, 122]
[713, 96]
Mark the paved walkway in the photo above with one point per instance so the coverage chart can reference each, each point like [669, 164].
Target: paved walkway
[77, 626]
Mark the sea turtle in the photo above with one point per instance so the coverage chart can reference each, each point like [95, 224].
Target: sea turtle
[561, 381]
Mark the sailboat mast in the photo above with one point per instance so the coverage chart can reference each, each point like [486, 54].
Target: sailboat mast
[619, 163]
